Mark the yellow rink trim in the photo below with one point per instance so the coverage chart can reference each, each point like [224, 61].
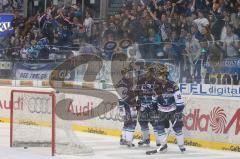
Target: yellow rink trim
[137, 135]
[4, 120]
[171, 139]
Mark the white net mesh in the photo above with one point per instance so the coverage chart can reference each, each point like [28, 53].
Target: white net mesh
[32, 124]
[66, 140]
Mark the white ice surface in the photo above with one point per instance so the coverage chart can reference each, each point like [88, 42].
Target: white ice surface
[106, 147]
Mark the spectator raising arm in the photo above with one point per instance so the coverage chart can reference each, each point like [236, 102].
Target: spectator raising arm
[201, 22]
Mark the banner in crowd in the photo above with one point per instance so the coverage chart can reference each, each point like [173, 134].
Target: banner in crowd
[5, 25]
[226, 72]
[230, 66]
[40, 71]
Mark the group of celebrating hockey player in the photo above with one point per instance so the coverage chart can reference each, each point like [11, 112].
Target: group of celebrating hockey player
[153, 99]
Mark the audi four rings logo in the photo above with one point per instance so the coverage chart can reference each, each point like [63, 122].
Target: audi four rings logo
[39, 105]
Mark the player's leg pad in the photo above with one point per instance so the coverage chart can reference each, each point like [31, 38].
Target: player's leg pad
[178, 126]
[145, 133]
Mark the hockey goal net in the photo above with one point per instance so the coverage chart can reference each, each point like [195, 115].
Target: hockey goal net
[35, 124]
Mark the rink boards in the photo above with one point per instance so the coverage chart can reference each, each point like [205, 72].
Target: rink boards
[209, 122]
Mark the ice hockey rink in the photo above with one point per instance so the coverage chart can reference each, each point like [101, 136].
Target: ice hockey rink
[107, 147]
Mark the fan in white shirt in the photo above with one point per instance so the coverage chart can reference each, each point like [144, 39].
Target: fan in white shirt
[231, 42]
[88, 21]
[201, 22]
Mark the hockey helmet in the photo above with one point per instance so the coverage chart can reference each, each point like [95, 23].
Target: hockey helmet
[124, 71]
[162, 69]
[150, 68]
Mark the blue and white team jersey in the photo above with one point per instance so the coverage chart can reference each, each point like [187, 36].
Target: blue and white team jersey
[147, 92]
[147, 97]
[170, 99]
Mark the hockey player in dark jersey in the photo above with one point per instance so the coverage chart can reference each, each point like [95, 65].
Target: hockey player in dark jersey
[170, 105]
[127, 108]
[147, 89]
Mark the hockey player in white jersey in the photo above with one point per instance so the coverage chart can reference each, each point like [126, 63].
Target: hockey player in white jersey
[127, 108]
[170, 105]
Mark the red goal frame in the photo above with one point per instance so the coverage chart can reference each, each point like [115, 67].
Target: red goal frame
[52, 95]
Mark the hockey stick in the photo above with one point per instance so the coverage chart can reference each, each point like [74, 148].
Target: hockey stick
[165, 140]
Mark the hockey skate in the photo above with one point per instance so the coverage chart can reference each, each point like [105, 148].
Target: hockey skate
[158, 145]
[163, 148]
[122, 141]
[144, 142]
[130, 144]
[182, 149]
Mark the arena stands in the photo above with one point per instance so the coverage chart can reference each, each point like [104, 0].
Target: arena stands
[195, 34]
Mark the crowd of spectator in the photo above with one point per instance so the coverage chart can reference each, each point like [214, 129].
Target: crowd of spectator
[186, 31]
[8, 5]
